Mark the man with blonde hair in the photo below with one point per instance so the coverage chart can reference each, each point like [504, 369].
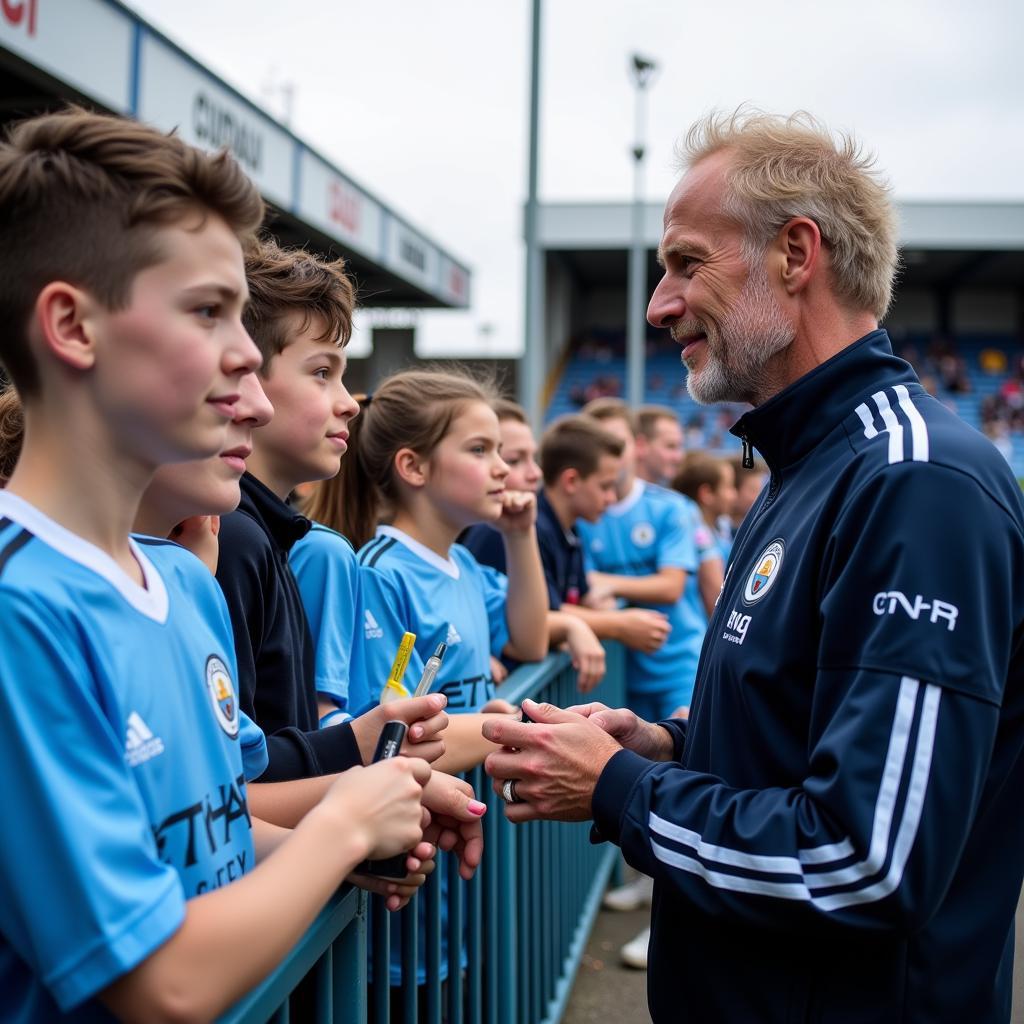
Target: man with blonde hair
[835, 834]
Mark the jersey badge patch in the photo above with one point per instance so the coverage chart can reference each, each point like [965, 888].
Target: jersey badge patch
[222, 695]
[765, 572]
[642, 535]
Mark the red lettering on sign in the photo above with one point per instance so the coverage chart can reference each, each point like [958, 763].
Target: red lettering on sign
[17, 11]
[344, 207]
[457, 282]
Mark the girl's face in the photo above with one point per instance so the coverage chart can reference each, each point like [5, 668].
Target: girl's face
[519, 450]
[467, 475]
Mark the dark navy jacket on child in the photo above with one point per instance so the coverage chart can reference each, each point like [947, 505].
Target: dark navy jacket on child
[843, 840]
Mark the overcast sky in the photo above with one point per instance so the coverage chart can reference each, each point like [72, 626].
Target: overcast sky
[425, 103]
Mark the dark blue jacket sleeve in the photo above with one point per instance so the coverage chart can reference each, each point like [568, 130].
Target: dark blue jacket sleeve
[919, 615]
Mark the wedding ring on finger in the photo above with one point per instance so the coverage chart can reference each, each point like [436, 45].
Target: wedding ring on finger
[508, 792]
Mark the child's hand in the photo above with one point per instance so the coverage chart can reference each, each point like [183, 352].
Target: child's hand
[199, 535]
[397, 892]
[499, 706]
[424, 716]
[382, 803]
[588, 657]
[519, 512]
[498, 671]
[643, 629]
[455, 820]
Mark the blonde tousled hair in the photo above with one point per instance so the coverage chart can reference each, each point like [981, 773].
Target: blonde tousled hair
[785, 167]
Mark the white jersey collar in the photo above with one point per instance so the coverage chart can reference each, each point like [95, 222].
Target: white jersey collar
[150, 600]
[623, 505]
[446, 565]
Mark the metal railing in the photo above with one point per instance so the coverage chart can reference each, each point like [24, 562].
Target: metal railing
[516, 932]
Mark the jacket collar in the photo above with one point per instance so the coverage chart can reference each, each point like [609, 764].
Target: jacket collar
[800, 416]
[285, 526]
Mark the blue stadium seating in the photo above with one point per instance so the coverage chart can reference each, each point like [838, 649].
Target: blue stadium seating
[603, 356]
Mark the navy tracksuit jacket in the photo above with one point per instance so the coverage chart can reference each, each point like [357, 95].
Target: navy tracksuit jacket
[844, 837]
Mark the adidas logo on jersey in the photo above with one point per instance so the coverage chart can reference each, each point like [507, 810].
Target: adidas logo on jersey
[373, 630]
[453, 635]
[140, 743]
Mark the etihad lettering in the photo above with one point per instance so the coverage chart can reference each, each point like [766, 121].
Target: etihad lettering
[216, 126]
[210, 818]
[466, 693]
[225, 874]
[19, 12]
[889, 601]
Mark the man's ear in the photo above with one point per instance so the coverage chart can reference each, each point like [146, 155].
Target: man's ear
[65, 324]
[410, 467]
[798, 246]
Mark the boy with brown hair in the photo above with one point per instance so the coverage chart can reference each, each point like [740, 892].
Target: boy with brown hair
[122, 288]
[300, 317]
[711, 484]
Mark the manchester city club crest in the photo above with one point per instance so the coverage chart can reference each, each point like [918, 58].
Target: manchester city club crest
[222, 695]
[642, 535]
[765, 572]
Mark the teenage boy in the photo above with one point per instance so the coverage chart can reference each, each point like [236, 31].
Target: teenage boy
[711, 483]
[300, 317]
[659, 456]
[122, 289]
[11, 429]
[659, 444]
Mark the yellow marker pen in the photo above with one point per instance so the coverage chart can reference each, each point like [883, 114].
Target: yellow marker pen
[394, 688]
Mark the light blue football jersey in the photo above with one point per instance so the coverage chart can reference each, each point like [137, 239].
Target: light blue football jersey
[708, 549]
[454, 600]
[649, 529]
[327, 571]
[120, 738]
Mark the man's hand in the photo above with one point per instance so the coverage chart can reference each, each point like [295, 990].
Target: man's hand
[556, 760]
[643, 738]
[455, 824]
[426, 720]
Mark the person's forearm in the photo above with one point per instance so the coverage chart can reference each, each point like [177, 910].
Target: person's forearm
[607, 625]
[709, 580]
[663, 587]
[464, 744]
[527, 603]
[285, 804]
[233, 937]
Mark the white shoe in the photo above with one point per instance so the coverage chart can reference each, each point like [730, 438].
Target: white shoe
[634, 952]
[631, 896]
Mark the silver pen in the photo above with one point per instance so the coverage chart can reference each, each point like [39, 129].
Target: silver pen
[430, 671]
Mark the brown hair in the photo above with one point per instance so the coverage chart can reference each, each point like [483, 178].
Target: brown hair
[506, 409]
[285, 283]
[12, 430]
[697, 471]
[83, 197]
[785, 167]
[610, 409]
[575, 442]
[648, 415]
[411, 409]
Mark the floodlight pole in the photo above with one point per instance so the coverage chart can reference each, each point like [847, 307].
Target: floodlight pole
[531, 378]
[642, 70]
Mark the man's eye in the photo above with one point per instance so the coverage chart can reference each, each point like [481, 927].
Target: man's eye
[208, 312]
[322, 373]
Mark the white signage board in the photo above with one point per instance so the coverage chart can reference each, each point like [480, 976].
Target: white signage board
[176, 93]
[330, 202]
[411, 256]
[86, 43]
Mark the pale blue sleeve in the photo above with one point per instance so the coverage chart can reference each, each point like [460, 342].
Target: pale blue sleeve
[84, 898]
[327, 572]
[385, 618]
[495, 591]
[675, 539]
[255, 756]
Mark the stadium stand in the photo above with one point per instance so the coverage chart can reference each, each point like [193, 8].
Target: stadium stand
[980, 376]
